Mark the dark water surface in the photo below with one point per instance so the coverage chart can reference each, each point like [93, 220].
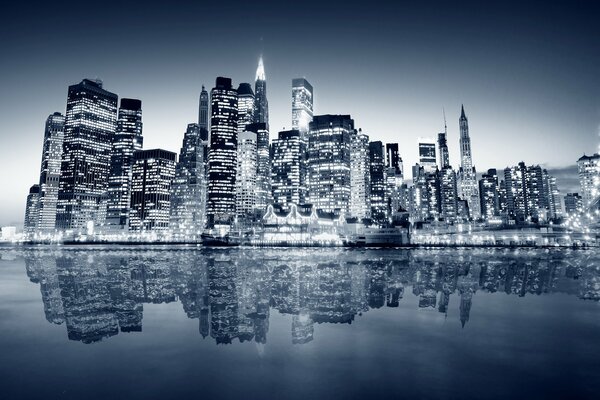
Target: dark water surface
[101, 323]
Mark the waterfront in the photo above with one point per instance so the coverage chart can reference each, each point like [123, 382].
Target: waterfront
[102, 322]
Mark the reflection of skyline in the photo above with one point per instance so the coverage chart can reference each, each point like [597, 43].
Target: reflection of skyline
[231, 293]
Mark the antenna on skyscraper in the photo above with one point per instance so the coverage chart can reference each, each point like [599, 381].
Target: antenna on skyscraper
[445, 126]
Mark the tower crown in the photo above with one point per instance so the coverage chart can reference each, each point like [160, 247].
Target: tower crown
[260, 71]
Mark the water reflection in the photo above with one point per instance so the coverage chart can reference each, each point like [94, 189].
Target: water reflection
[231, 292]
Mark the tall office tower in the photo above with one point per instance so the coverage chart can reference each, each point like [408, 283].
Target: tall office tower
[360, 175]
[394, 177]
[434, 200]
[222, 155]
[467, 179]
[261, 107]
[188, 190]
[554, 197]
[127, 140]
[90, 125]
[443, 150]
[203, 111]
[263, 165]
[302, 105]
[536, 193]
[589, 178]
[448, 195]
[421, 195]
[152, 174]
[573, 203]
[427, 158]
[329, 162]
[245, 181]
[288, 171]
[488, 193]
[245, 106]
[377, 176]
[516, 193]
[32, 211]
[50, 172]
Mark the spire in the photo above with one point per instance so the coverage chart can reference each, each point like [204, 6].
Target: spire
[445, 126]
[462, 111]
[260, 71]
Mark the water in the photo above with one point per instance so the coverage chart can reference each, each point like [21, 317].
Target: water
[101, 323]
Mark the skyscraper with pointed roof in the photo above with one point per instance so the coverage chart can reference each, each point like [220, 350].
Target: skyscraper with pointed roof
[261, 105]
[467, 179]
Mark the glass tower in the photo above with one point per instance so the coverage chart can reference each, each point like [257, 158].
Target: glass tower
[188, 191]
[90, 125]
[289, 169]
[302, 105]
[222, 155]
[360, 178]
[245, 182]
[127, 140]
[245, 106]
[329, 162]
[377, 172]
[50, 172]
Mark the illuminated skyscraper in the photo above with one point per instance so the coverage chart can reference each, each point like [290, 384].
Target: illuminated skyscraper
[263, 165]
[377, 176]
[245, 182]
[50, 172]
[288, 176]
[261, 110]
[360, 176]
[245, 106]
[222, 155]
[589, 178]
[188, 190]
[329, 162]
[90, 125]
[443, 150]
[489, 196]
[427, 158]
[127, 140]
[394, 177]
[152, 174]
[448, 194]
[467, 180]
[203, 111]
[32, 211]
[302, 105]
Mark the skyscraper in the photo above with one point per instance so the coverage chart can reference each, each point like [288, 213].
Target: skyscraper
[467, 180]
[427, 158]
[188, 190]
[245, 182]
[589, 178]
[394, 177]
[329, 162]
[360, 176]
[302, 105]
[127, 140]
[32, 211]
[222, 155]
[448, 194]
[90, 124]
[245, 106]
[488, 192]
[203, 111]
[263, 165]
[377, 176]
[261, 110]
[50, 172]
[288, 176]
[443, 150]
[152, 175]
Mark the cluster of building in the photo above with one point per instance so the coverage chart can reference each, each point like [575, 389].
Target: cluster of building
[232, 296]
[96, 178]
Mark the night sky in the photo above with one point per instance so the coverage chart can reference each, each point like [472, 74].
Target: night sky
[528, 74]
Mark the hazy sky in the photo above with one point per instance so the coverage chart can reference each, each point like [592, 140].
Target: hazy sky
[528, 74]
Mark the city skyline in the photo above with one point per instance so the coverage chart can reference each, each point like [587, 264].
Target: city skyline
[526, 109]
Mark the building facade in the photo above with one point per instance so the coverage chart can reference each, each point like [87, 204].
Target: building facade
[222, 154]
[188, 190]
[127, 140]
[50, 172]
[589, 178]
[261, 108]
[245, 182]
[152, 174]
[245, 106]
[302, 105]
[467, 177]
[288, 176]
[360, 176]
[90, 124]
[377, 177]
[32, 211]
[329, 162]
